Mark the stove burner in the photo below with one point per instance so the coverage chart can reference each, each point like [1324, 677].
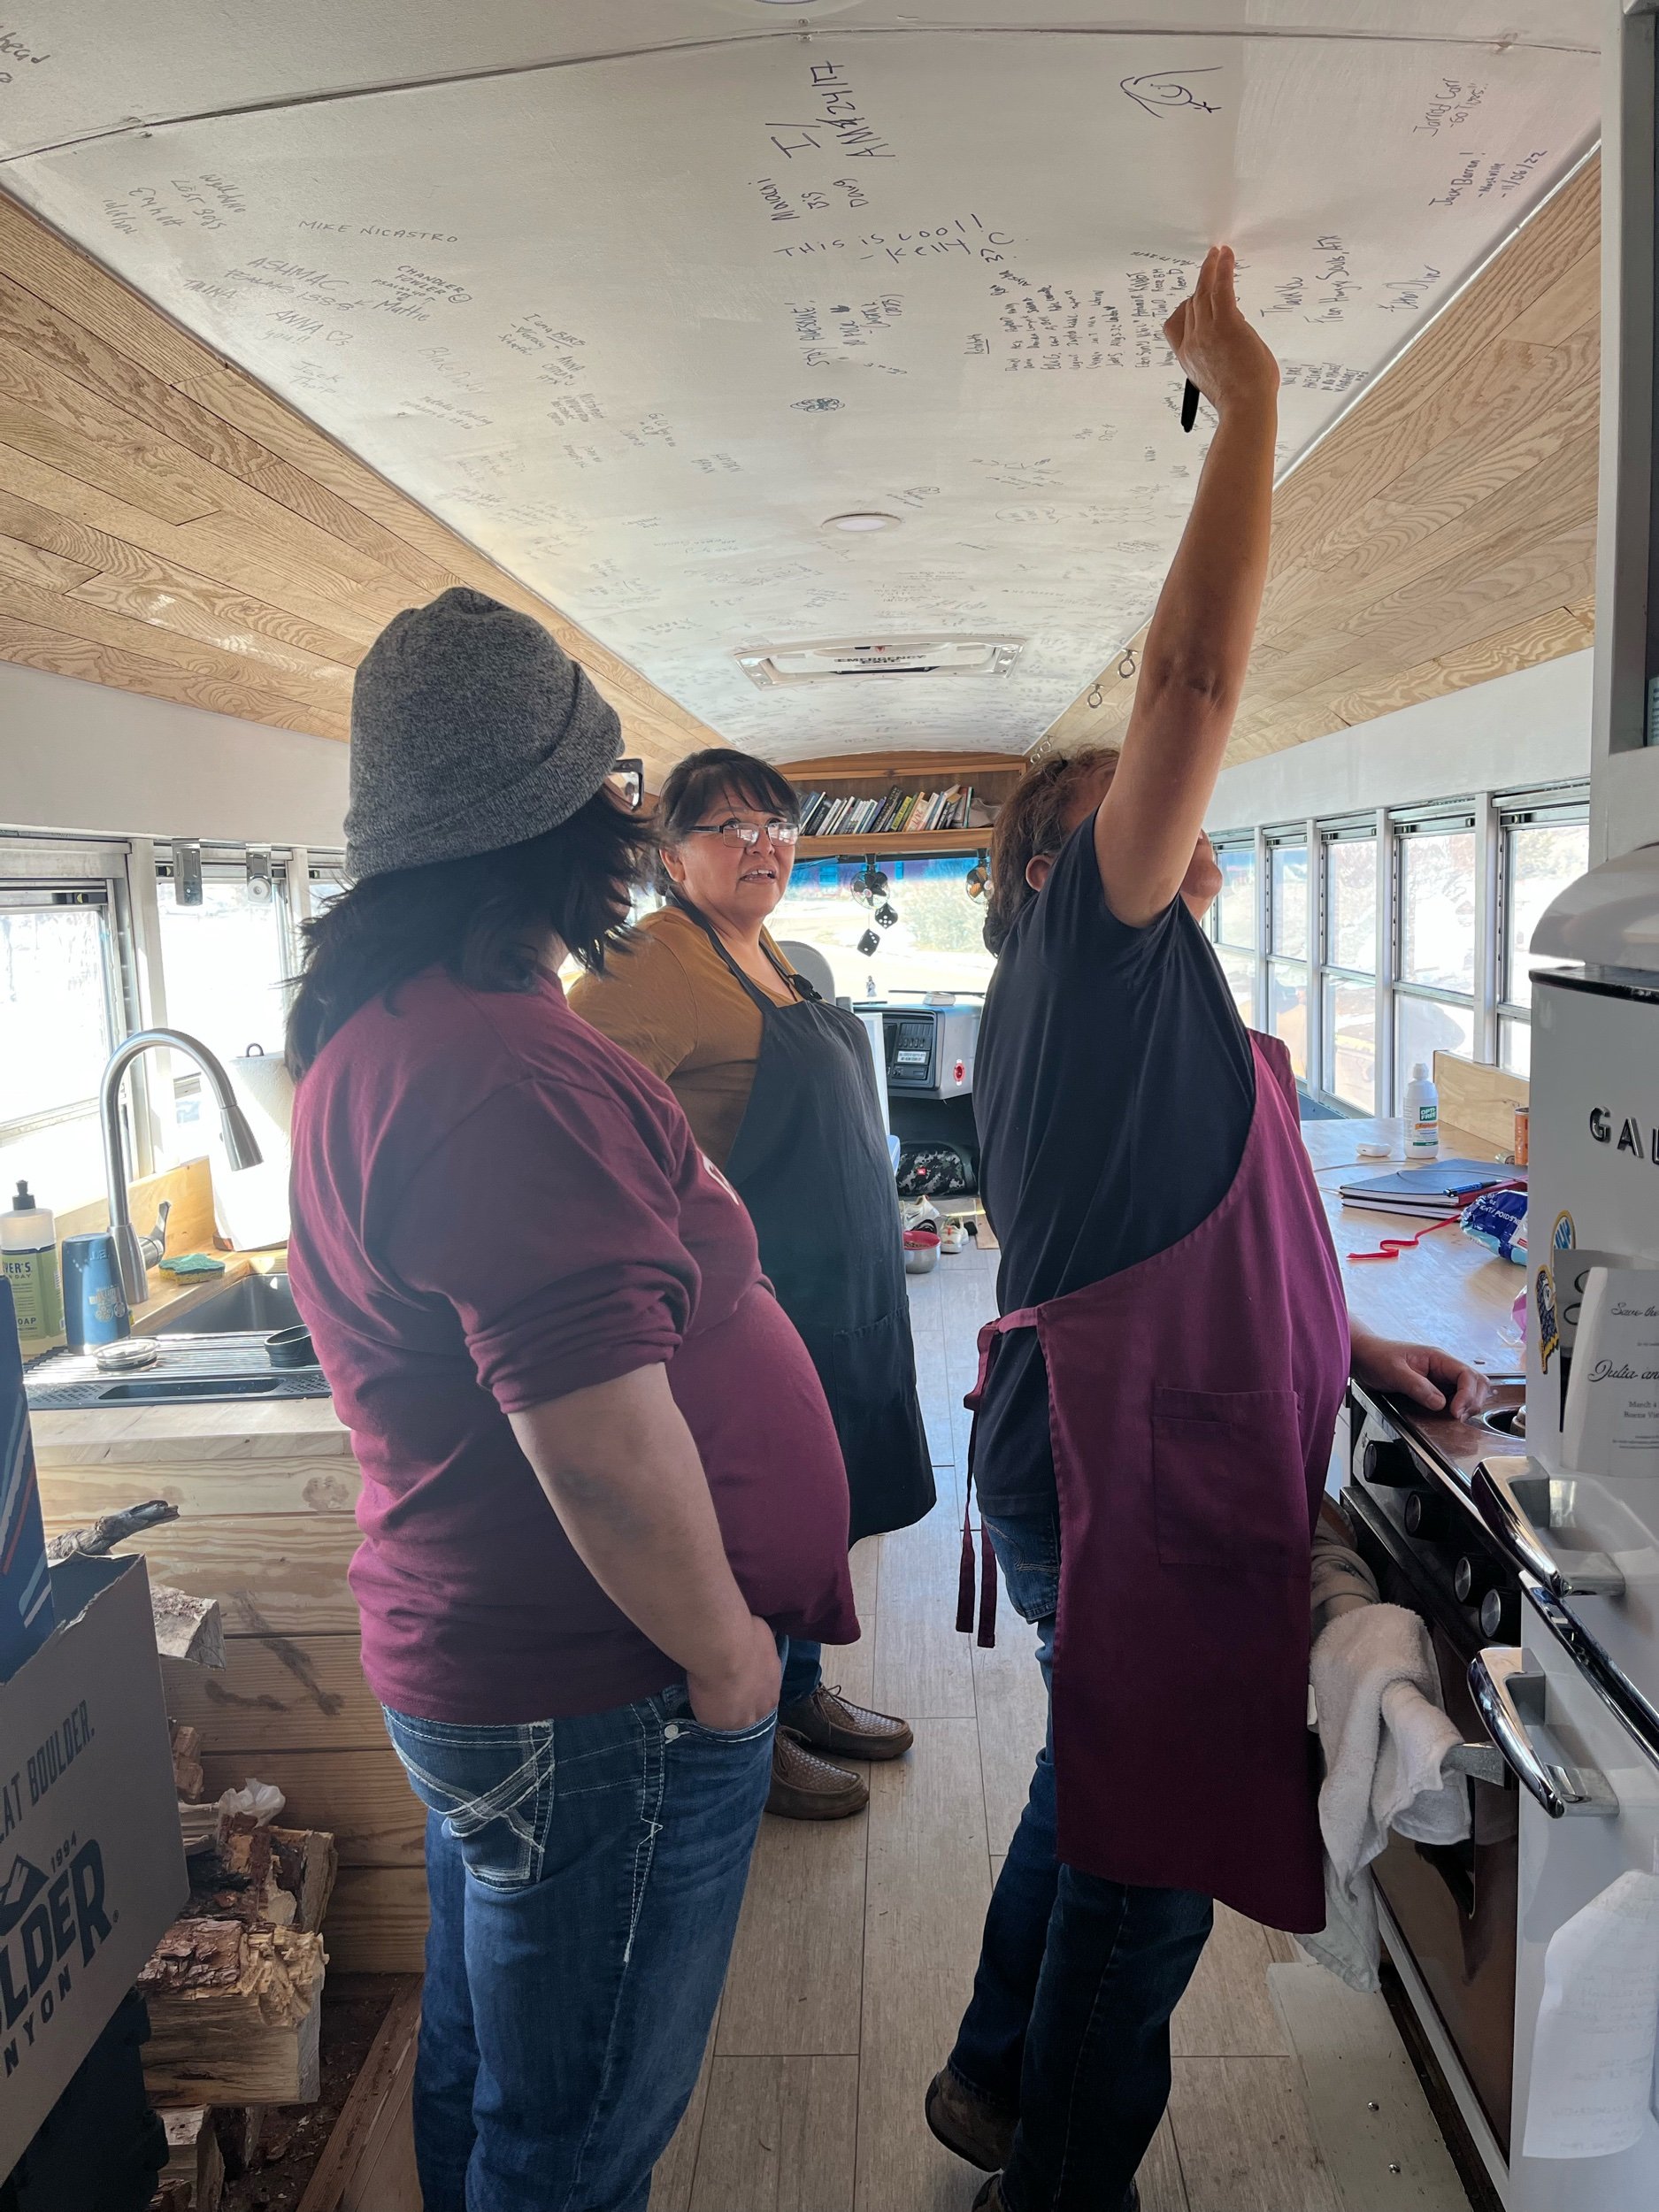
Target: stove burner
[1508, 1420]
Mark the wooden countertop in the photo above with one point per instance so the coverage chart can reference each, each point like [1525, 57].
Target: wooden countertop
[1449, 1290]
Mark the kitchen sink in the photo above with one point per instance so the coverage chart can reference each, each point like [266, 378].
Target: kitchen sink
[186, 1389]
[255, 1303]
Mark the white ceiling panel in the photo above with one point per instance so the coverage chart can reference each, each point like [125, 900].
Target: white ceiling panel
[71, 69]
[640, 325]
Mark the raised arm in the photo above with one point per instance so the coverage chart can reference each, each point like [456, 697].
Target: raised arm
[1198, 647]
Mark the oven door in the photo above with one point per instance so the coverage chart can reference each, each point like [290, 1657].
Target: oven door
[1566, 1862]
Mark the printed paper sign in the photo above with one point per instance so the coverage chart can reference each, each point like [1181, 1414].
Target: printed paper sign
[1610, 1423]
[1592, 2049]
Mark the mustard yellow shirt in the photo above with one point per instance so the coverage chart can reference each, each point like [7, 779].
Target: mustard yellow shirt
[669, 999]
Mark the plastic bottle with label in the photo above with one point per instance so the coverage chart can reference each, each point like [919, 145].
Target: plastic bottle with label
[1422, 1116]
[28, 1257]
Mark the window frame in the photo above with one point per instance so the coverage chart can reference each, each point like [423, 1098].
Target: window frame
[1351, 830]
[39, 874]
[1299, 969]
[1526, 810]
[1489, 815]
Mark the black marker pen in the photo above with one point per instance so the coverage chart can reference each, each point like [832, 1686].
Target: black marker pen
[1189, 405]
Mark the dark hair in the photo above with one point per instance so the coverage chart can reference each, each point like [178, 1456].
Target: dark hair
[693, 784]
[484, 919]
[1033, 822]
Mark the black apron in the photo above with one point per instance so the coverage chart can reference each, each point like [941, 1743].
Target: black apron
[811, 1165]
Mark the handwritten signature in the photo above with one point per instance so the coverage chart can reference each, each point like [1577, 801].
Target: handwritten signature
[1159, 89]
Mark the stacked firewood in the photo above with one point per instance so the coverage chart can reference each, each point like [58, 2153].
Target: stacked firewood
[235, 1989]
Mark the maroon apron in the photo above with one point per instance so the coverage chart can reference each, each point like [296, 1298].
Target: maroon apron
[1191, 1401]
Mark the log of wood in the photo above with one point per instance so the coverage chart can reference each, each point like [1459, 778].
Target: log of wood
[199, 1824]
[280, 1878]
[189, 1778]
[306, 1865]
[193, 2179]
[237, 2127]
[187, 1627]
[237, 1879]
[234, 2014]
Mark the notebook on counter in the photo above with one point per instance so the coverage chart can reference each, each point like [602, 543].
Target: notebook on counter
[1438, 1188]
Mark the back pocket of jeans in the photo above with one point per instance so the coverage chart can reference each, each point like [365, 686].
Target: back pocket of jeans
[1228, 1484]
[490, 1788]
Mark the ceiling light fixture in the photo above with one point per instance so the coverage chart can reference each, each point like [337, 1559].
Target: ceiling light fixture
[863, 521]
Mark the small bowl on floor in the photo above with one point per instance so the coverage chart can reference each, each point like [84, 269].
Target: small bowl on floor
[921, 1251]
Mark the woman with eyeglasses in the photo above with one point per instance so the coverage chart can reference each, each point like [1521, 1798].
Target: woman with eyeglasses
[779, 1090]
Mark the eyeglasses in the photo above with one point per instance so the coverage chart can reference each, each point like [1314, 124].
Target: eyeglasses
[748, 833]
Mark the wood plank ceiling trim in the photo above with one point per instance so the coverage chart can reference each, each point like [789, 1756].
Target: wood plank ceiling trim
[169, 526]
[1444, 532]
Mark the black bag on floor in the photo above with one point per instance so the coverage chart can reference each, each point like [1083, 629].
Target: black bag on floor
[934, 1170]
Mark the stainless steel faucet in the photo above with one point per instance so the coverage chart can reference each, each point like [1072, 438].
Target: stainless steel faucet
[239, 1139]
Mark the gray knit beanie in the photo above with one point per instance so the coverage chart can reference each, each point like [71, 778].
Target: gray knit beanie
[471, 728]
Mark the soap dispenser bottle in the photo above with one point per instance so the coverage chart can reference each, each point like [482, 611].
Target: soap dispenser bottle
[28, 1257]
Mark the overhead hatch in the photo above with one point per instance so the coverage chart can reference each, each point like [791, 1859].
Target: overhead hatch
[817, 661]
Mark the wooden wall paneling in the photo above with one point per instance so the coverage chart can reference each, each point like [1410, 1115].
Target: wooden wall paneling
[278, 1693]
[61, 655]
[1558, 630]
[178, 531]
[362, 1798]
[1443, 532]
[377, 1920]
[282, 1574]
[138, 532]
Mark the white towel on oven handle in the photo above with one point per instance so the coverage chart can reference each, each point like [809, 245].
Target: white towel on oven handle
[1385, 1737]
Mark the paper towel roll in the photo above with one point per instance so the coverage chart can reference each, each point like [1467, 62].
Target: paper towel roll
[268, 1087]
[252, 1205]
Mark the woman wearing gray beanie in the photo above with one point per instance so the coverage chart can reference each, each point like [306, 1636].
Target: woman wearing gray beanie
[542, 1319]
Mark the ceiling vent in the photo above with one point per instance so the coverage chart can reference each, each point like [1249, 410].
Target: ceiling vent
[826, 657]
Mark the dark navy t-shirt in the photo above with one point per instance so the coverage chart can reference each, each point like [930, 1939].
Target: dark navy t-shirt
[1114, 1086]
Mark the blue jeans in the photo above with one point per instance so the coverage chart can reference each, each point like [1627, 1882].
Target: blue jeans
[1069, 2024]
[803, 1670]
[585, 1879]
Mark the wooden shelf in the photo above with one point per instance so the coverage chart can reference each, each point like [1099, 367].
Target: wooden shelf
[870, 774]
[851, 845]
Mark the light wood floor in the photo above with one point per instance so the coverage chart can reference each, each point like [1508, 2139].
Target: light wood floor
[857, 1945]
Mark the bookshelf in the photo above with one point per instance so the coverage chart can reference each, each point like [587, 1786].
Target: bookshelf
[876, 775]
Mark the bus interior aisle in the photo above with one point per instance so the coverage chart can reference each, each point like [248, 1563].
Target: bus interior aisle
[858, 1940]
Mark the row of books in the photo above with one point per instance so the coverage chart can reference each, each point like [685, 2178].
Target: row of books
[901, 812]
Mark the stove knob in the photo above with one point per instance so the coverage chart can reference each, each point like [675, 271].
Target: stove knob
[1426, 1515]
[1390, 1466]
[1500, 1616]
[1473, 1577]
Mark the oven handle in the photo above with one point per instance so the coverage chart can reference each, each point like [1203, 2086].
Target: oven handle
[1590, 1575]
[1510, 1702]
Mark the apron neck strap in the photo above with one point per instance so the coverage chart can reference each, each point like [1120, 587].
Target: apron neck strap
[798, 984]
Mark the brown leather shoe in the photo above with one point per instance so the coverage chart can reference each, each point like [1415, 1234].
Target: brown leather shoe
[828, 1722]
[806, 1787]
[973, 2127]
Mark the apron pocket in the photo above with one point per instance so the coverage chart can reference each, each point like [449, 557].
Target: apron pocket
[1229, 1486]
[869, 1375]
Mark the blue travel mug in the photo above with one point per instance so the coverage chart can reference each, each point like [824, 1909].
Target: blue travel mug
[95, 1304]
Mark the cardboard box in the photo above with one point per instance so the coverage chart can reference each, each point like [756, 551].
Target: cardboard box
[25, 1595]
[92, 1870]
